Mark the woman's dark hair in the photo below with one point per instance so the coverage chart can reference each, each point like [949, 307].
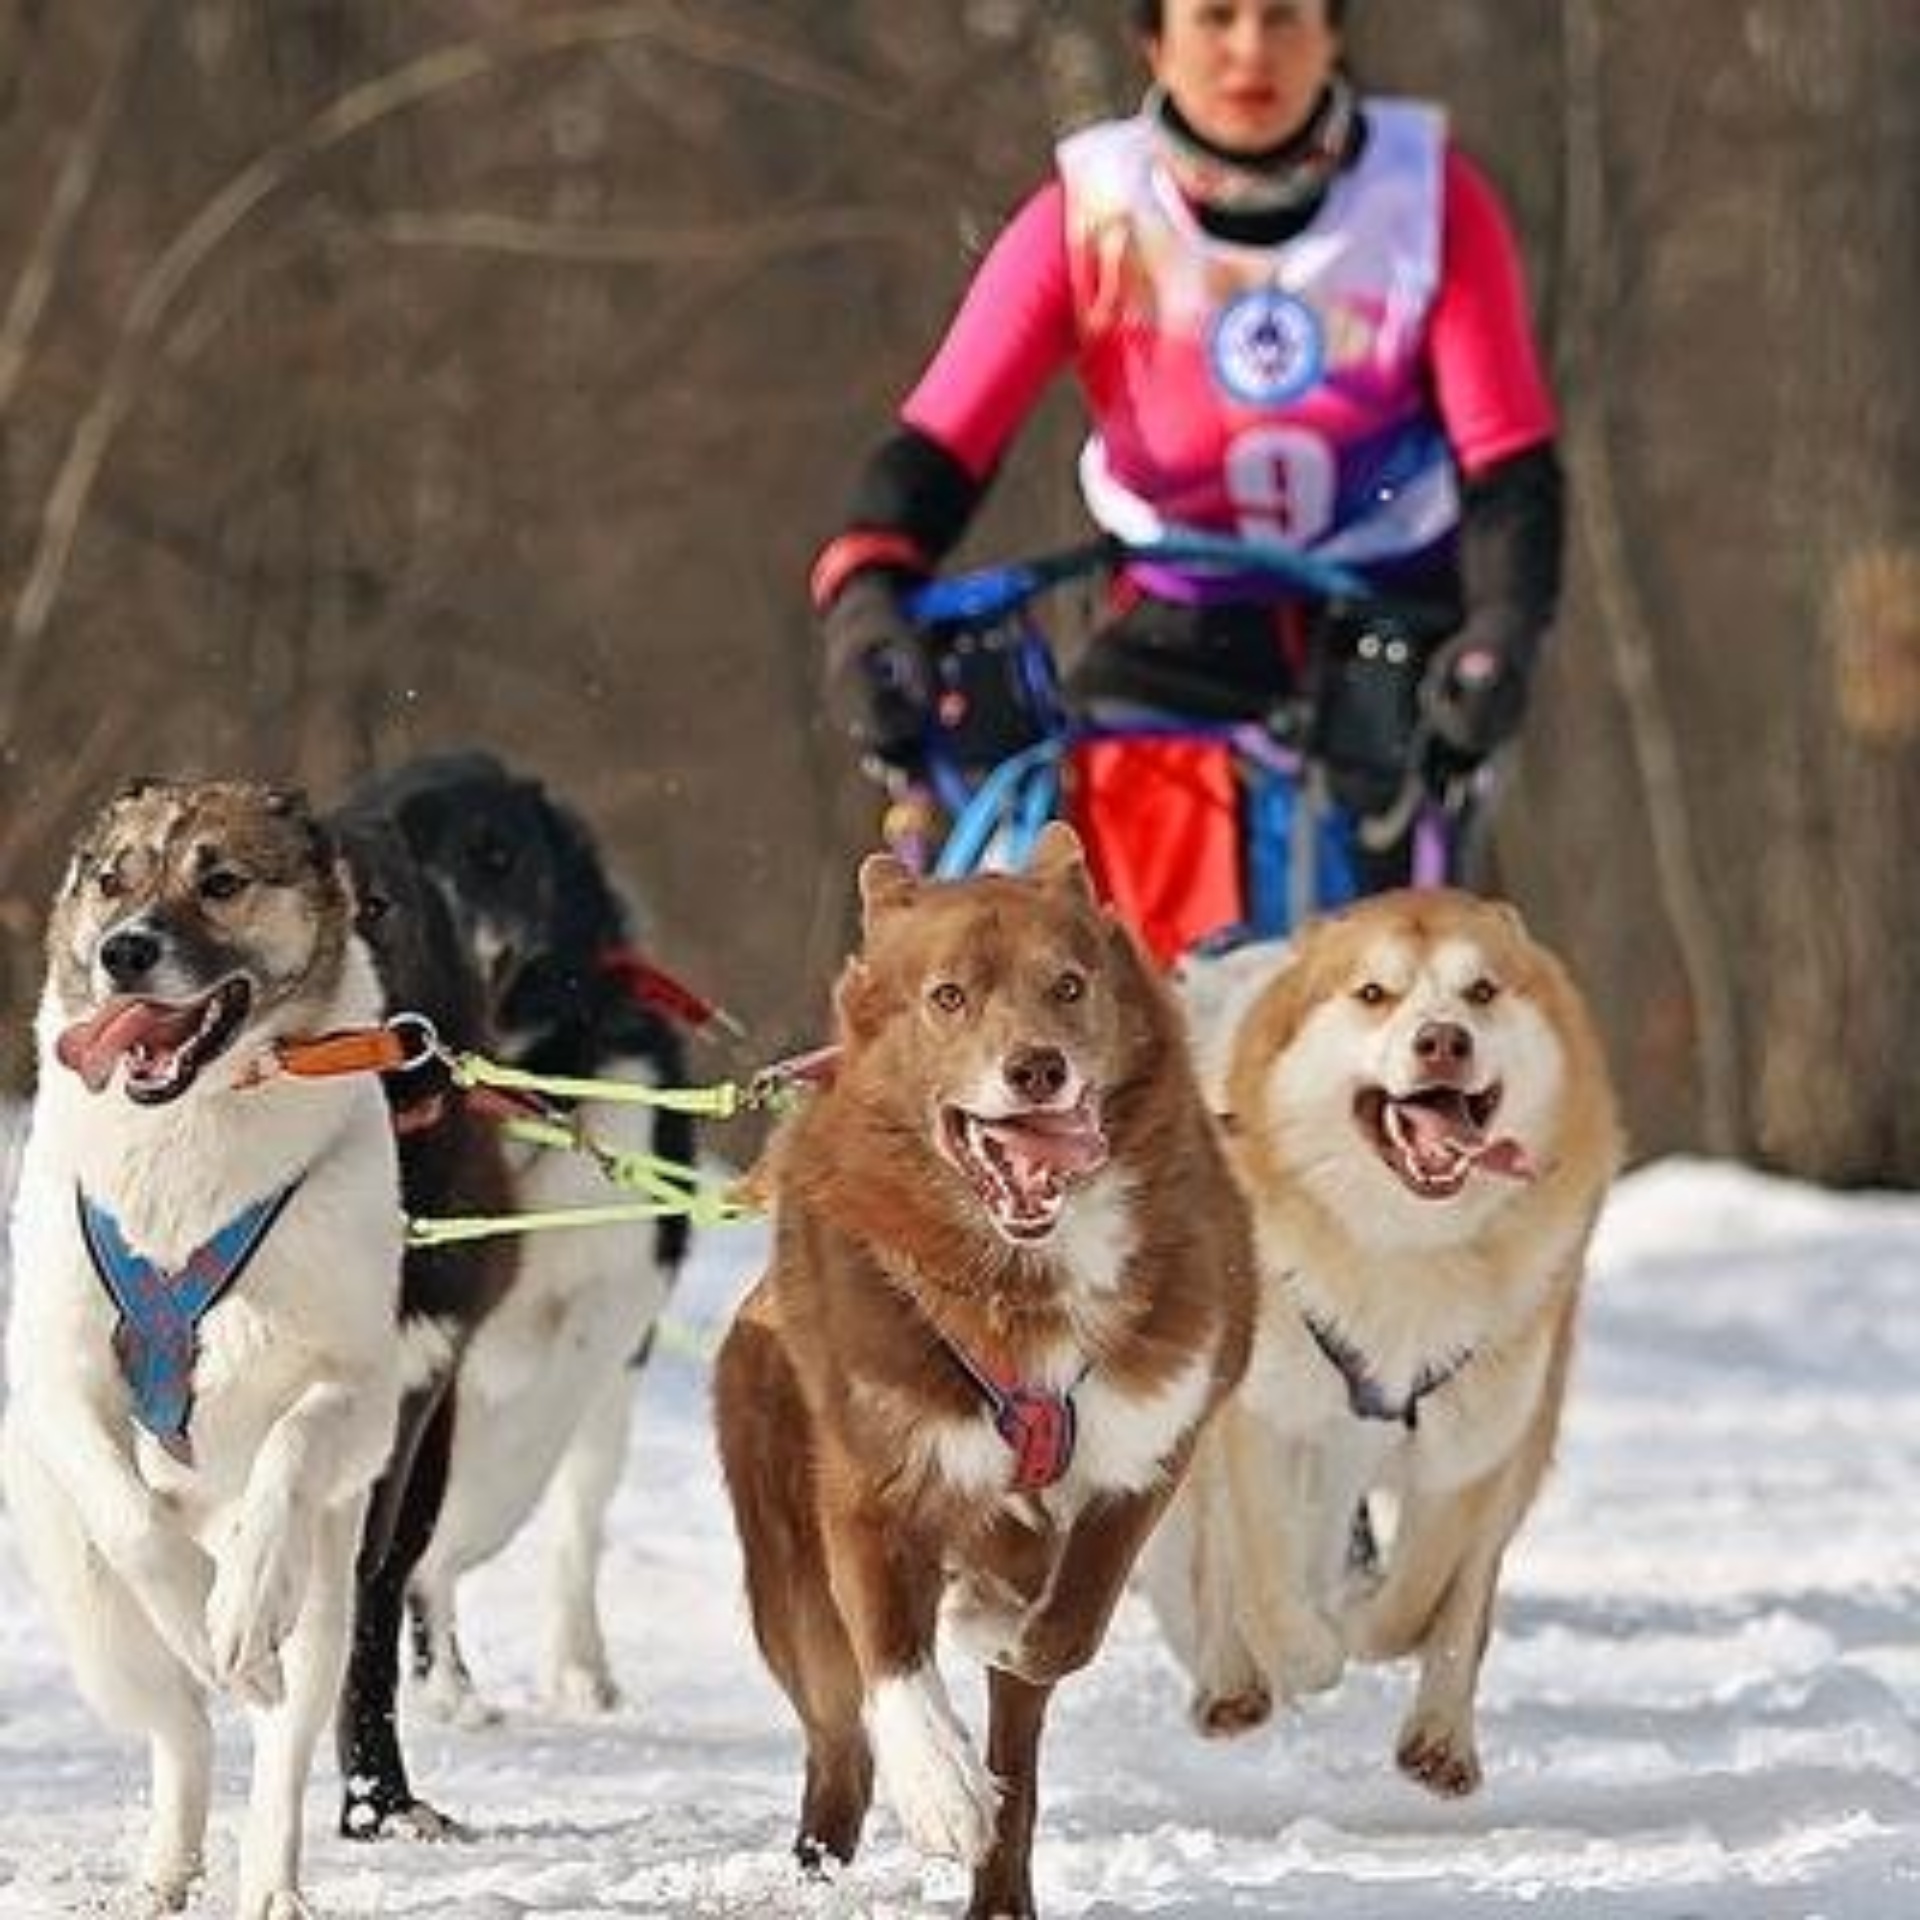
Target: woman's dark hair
[1148, 14]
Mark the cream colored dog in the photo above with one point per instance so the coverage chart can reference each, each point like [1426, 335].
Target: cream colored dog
[202, 1362]
[1420, 1115]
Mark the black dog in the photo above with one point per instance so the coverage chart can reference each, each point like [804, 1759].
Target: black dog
[451, 1162]
[542, 1394]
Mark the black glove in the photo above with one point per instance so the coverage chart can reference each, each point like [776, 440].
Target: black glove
[1475, 693]
[879, 676]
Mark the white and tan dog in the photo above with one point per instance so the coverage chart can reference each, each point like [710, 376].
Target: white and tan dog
[202, 1362]
[1420, 1114]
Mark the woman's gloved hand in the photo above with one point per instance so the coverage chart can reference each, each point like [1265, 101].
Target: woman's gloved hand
[879, 676]
[1475, 694]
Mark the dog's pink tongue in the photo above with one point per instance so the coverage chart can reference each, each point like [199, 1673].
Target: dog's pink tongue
[1070, 1142]
[1508, 1156]
[93, 1048]
[1438, 1124]
[1441, 1130]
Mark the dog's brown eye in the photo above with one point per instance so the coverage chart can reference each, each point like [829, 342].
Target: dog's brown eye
[374, 907]
[1483, 993]
[949, 997]
[1070, 987]
[1371, 994]
[108, 884]
[222, 884]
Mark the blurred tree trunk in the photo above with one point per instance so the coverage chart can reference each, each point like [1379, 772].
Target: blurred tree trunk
[1720, 784]
[1832, 158]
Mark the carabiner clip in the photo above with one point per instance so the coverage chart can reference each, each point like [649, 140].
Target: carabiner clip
[421, 1037]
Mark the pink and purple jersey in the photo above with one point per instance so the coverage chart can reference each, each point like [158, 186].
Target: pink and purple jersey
[1324, 392]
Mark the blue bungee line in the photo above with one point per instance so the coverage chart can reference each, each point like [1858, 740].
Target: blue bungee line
[1014, 802]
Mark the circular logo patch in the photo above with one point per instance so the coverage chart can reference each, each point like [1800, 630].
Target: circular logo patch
[1266, 347]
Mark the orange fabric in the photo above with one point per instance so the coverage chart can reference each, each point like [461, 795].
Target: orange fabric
[353, 1050]
[1160, 820]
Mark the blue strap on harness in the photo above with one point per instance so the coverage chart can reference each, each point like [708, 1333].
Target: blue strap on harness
[1366, 1397]
[158, 1336]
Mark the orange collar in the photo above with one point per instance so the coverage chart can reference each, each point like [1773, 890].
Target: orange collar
[403, 1040]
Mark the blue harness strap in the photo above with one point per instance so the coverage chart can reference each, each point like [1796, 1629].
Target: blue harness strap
[158, 1336]
[1366, 1397]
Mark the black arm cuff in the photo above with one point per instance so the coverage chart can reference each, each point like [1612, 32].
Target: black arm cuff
[1511, 539]
[911, 484]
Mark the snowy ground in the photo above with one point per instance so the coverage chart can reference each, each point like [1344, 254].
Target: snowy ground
[1703, 1701]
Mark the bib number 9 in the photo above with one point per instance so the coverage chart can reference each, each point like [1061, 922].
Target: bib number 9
[1281, 484]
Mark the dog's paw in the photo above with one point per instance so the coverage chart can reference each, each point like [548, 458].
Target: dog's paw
[1379, 1627]
[934, 1780]
[1309, 1657]
[262, 1685]
[277, 1903]
[1047, 1648]
[365, 1816]
[167, 1889]
[259, 1579]
[446, 1693]
[983, 1618]
[581, 1690]
[1224, 1716]
[172, 1578]
[1439, 1755]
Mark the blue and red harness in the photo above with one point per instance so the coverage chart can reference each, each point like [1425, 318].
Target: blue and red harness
[1039, 1424]
[157, 1339]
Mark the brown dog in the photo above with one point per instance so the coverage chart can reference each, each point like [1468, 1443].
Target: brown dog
[1011, 1278]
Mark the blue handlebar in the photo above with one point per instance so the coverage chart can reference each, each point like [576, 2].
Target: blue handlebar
[990, 593]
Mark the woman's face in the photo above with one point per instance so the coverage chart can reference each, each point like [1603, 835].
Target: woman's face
[1245, 74]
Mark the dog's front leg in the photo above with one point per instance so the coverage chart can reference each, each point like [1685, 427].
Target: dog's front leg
[1276, 1495]
[1231, 1689]
[1065, 1626]
[129, 1675]
[887, 1591]
[91, 1461]
[313, 1661]
[1438, 1599]
[1003, 1883]
[264, 1563]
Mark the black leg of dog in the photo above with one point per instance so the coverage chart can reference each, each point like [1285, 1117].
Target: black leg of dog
[377, 1797]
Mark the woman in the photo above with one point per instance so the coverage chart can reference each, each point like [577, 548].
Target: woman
[1294, 315]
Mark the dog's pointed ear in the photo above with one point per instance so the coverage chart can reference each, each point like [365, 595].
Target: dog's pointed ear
[856, 1001]
[884, 884]
[1513, 920]
[1060, 860]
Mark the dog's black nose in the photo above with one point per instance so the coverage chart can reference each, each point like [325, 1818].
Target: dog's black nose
[1036, 1073]
[130, 955]
[1443, 1044]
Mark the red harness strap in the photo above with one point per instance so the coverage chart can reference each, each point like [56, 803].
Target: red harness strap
[651, 985]
[1038, 1424]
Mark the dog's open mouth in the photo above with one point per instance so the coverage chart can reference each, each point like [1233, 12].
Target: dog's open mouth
[1023, 1165]
[164, 1043]
[1435, 1138]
